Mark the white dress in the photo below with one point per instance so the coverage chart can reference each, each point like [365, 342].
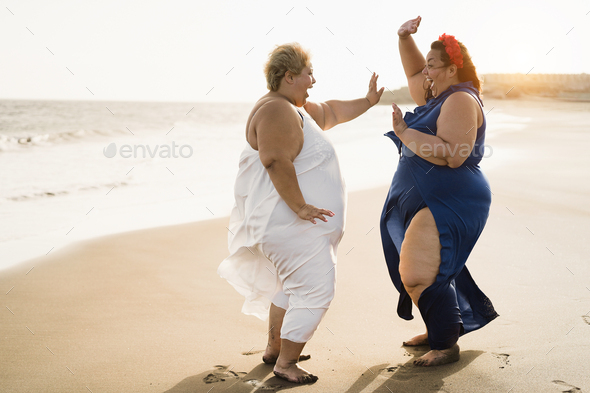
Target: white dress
[274, 255]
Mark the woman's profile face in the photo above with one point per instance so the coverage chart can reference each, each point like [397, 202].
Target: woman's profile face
[435, 72]
[303, 82]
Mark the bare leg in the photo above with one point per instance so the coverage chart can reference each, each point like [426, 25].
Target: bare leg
[275, 322]
[419, 266]
[273, 348]
[287, 367]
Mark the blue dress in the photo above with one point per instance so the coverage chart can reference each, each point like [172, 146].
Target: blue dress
[459, 200]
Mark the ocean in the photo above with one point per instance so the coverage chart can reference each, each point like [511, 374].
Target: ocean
[73, 170]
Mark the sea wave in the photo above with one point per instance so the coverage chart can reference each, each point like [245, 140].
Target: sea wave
[37, 194]
[15, 142]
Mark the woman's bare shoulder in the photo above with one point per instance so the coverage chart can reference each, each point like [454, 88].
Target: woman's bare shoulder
[271, 108]
[460, 104]
[460, 100]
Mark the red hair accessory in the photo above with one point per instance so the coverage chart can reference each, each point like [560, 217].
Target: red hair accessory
[453, 49]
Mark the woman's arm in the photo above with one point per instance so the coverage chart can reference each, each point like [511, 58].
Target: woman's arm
[412, 60]
[456, 132]
[331, 113]
[280, 138]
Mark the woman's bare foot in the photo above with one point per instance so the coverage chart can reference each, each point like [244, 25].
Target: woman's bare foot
[294, 373]
[421, 339]
[437, 357]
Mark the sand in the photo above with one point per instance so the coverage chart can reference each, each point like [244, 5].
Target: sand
[146, 311]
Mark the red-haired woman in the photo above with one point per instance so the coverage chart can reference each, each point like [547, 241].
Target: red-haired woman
[439, 199]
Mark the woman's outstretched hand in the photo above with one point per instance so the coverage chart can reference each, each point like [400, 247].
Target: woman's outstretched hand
[410, 27]
[399, 125]
[374, 95]
[310, 213]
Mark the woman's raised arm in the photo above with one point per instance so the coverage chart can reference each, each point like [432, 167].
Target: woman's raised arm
[412, 60]
[331, 113]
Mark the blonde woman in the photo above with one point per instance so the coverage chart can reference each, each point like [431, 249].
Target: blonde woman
[290, 208]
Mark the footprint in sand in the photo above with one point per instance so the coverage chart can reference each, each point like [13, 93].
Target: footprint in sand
[586, 319]
[270, 388]
[252, 352]
[503, 358]
[221, 374]
[399, 372]
[571, 388]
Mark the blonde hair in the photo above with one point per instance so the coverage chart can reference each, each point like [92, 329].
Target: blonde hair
[287, 57]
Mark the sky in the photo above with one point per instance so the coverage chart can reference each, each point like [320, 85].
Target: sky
[206, 51]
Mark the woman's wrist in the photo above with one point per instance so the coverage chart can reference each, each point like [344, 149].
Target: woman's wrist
[405, 37]
[401, 129]
[301, 208]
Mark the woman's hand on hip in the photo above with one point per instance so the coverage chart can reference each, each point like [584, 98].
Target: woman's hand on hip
[399, 125]
[374, 95]
[310, 213]
[410, 27]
